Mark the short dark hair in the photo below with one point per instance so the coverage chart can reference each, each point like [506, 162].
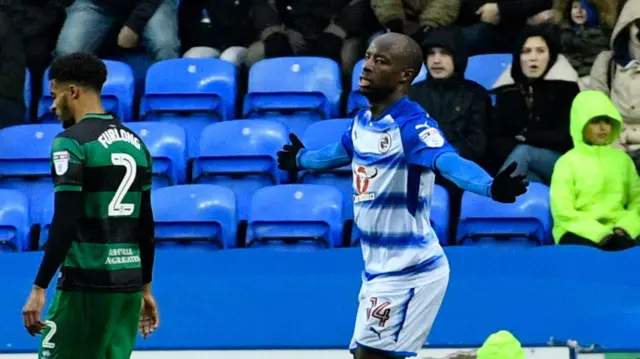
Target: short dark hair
[83, 68]
[414, 55]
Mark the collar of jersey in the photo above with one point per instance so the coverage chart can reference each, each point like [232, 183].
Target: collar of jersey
[99, 116]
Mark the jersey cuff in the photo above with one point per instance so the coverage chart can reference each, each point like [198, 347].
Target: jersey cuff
[68, 188]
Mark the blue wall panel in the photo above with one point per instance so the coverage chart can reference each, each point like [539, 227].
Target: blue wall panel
[251, 298]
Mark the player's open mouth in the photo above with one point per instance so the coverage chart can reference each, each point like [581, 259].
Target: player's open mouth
[363, 82]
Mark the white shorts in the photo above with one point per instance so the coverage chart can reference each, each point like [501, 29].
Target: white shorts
[397, 321]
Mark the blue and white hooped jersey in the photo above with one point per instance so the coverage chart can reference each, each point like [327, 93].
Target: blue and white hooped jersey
[392, 161]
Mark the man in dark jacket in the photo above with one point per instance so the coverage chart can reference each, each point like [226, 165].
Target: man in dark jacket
[460, 106]
[90, 21]
[490, 25]
[12, 70]
[332, 29]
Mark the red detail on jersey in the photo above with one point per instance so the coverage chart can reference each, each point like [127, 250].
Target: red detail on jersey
[379, 311]
[363, 175]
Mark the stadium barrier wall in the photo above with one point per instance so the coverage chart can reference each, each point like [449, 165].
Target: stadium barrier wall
[260, 299]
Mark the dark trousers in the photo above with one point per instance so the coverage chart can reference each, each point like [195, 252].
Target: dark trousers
[615, 244]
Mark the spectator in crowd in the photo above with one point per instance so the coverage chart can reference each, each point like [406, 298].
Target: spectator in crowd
[608, 11]
[89, 22]
[12, 69]
[40, 23]
[617, 73]
[216, 28]
[491, 26]
[415, 17]
[595, 190]
[332, 29]
[583, 38]
[533, 100]
[460, 106]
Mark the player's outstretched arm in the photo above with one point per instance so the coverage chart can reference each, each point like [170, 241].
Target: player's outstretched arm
[295, 157]
[469, 176]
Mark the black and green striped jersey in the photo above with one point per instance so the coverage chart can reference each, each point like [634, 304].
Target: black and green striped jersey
[110, 165]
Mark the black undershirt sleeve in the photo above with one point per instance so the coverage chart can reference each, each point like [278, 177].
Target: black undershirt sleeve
[146, 237]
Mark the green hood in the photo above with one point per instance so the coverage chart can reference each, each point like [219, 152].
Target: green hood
[501, 345]
[588, 105]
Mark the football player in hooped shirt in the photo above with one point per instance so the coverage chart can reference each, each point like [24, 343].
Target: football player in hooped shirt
[394, 149]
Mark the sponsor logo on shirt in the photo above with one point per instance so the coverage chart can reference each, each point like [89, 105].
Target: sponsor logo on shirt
[363, 176]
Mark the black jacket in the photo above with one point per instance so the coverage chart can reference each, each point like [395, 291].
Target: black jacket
[539, 109]
[311, 17]
[513, 13]
[229, 23]
[460, 106]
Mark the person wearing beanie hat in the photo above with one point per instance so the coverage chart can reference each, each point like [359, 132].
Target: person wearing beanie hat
[501, 345]
[582, 36]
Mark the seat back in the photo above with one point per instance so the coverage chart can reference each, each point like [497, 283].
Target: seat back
[356, 100]
[25, 161]
[117, 93]
[318, 135]
[14, 221]
[486, 69]
[306, 215]
[528, 218]
[46, 217]
[199, 215]
[167, 144]
[27, 94]
[200, 88]
[288, 85]
[240, 154]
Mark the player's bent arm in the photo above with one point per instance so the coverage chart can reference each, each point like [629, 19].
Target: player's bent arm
[464, 173]
[146, 238]
[331, 156]
[69, 206]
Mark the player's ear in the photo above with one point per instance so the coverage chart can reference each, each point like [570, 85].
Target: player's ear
[74, 91]
[407, 76]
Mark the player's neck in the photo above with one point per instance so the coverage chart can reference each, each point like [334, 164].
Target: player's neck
[380, 107]
[90, 108]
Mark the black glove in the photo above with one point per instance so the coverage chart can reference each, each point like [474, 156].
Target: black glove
[505, 188]
[330, 46]
[395, 26]
[277, 45]
[287, 157]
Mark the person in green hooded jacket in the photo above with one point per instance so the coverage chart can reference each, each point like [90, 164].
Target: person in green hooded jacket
[595, 189]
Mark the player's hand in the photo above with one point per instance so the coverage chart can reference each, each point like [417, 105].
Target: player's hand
[32, 311]
[505, 187]
[127, 38]
[149, 317]
[287, 157]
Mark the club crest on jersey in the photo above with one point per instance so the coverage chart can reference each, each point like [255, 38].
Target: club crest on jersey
[431, 137]
[61, 162]
[384, 144]
[363, 177]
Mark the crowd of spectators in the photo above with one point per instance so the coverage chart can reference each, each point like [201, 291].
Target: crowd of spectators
[535, 114]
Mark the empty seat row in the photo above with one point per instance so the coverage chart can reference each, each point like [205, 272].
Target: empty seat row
[197, 92]
[309, 216]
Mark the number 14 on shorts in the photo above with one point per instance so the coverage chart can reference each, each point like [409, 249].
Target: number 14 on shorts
[379, 310]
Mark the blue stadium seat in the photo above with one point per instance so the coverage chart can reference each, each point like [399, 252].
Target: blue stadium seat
[317, 136]
[190, 92]
[117, 93]
[14, 221]
[167, 144]
[25, 161]
[27, 94]
[202, 216]
[485, 69]
[241, 155]
[46, 217]
[294, 85]
[529, 219]
[356, 101]
[295, 216]
[440, 214]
